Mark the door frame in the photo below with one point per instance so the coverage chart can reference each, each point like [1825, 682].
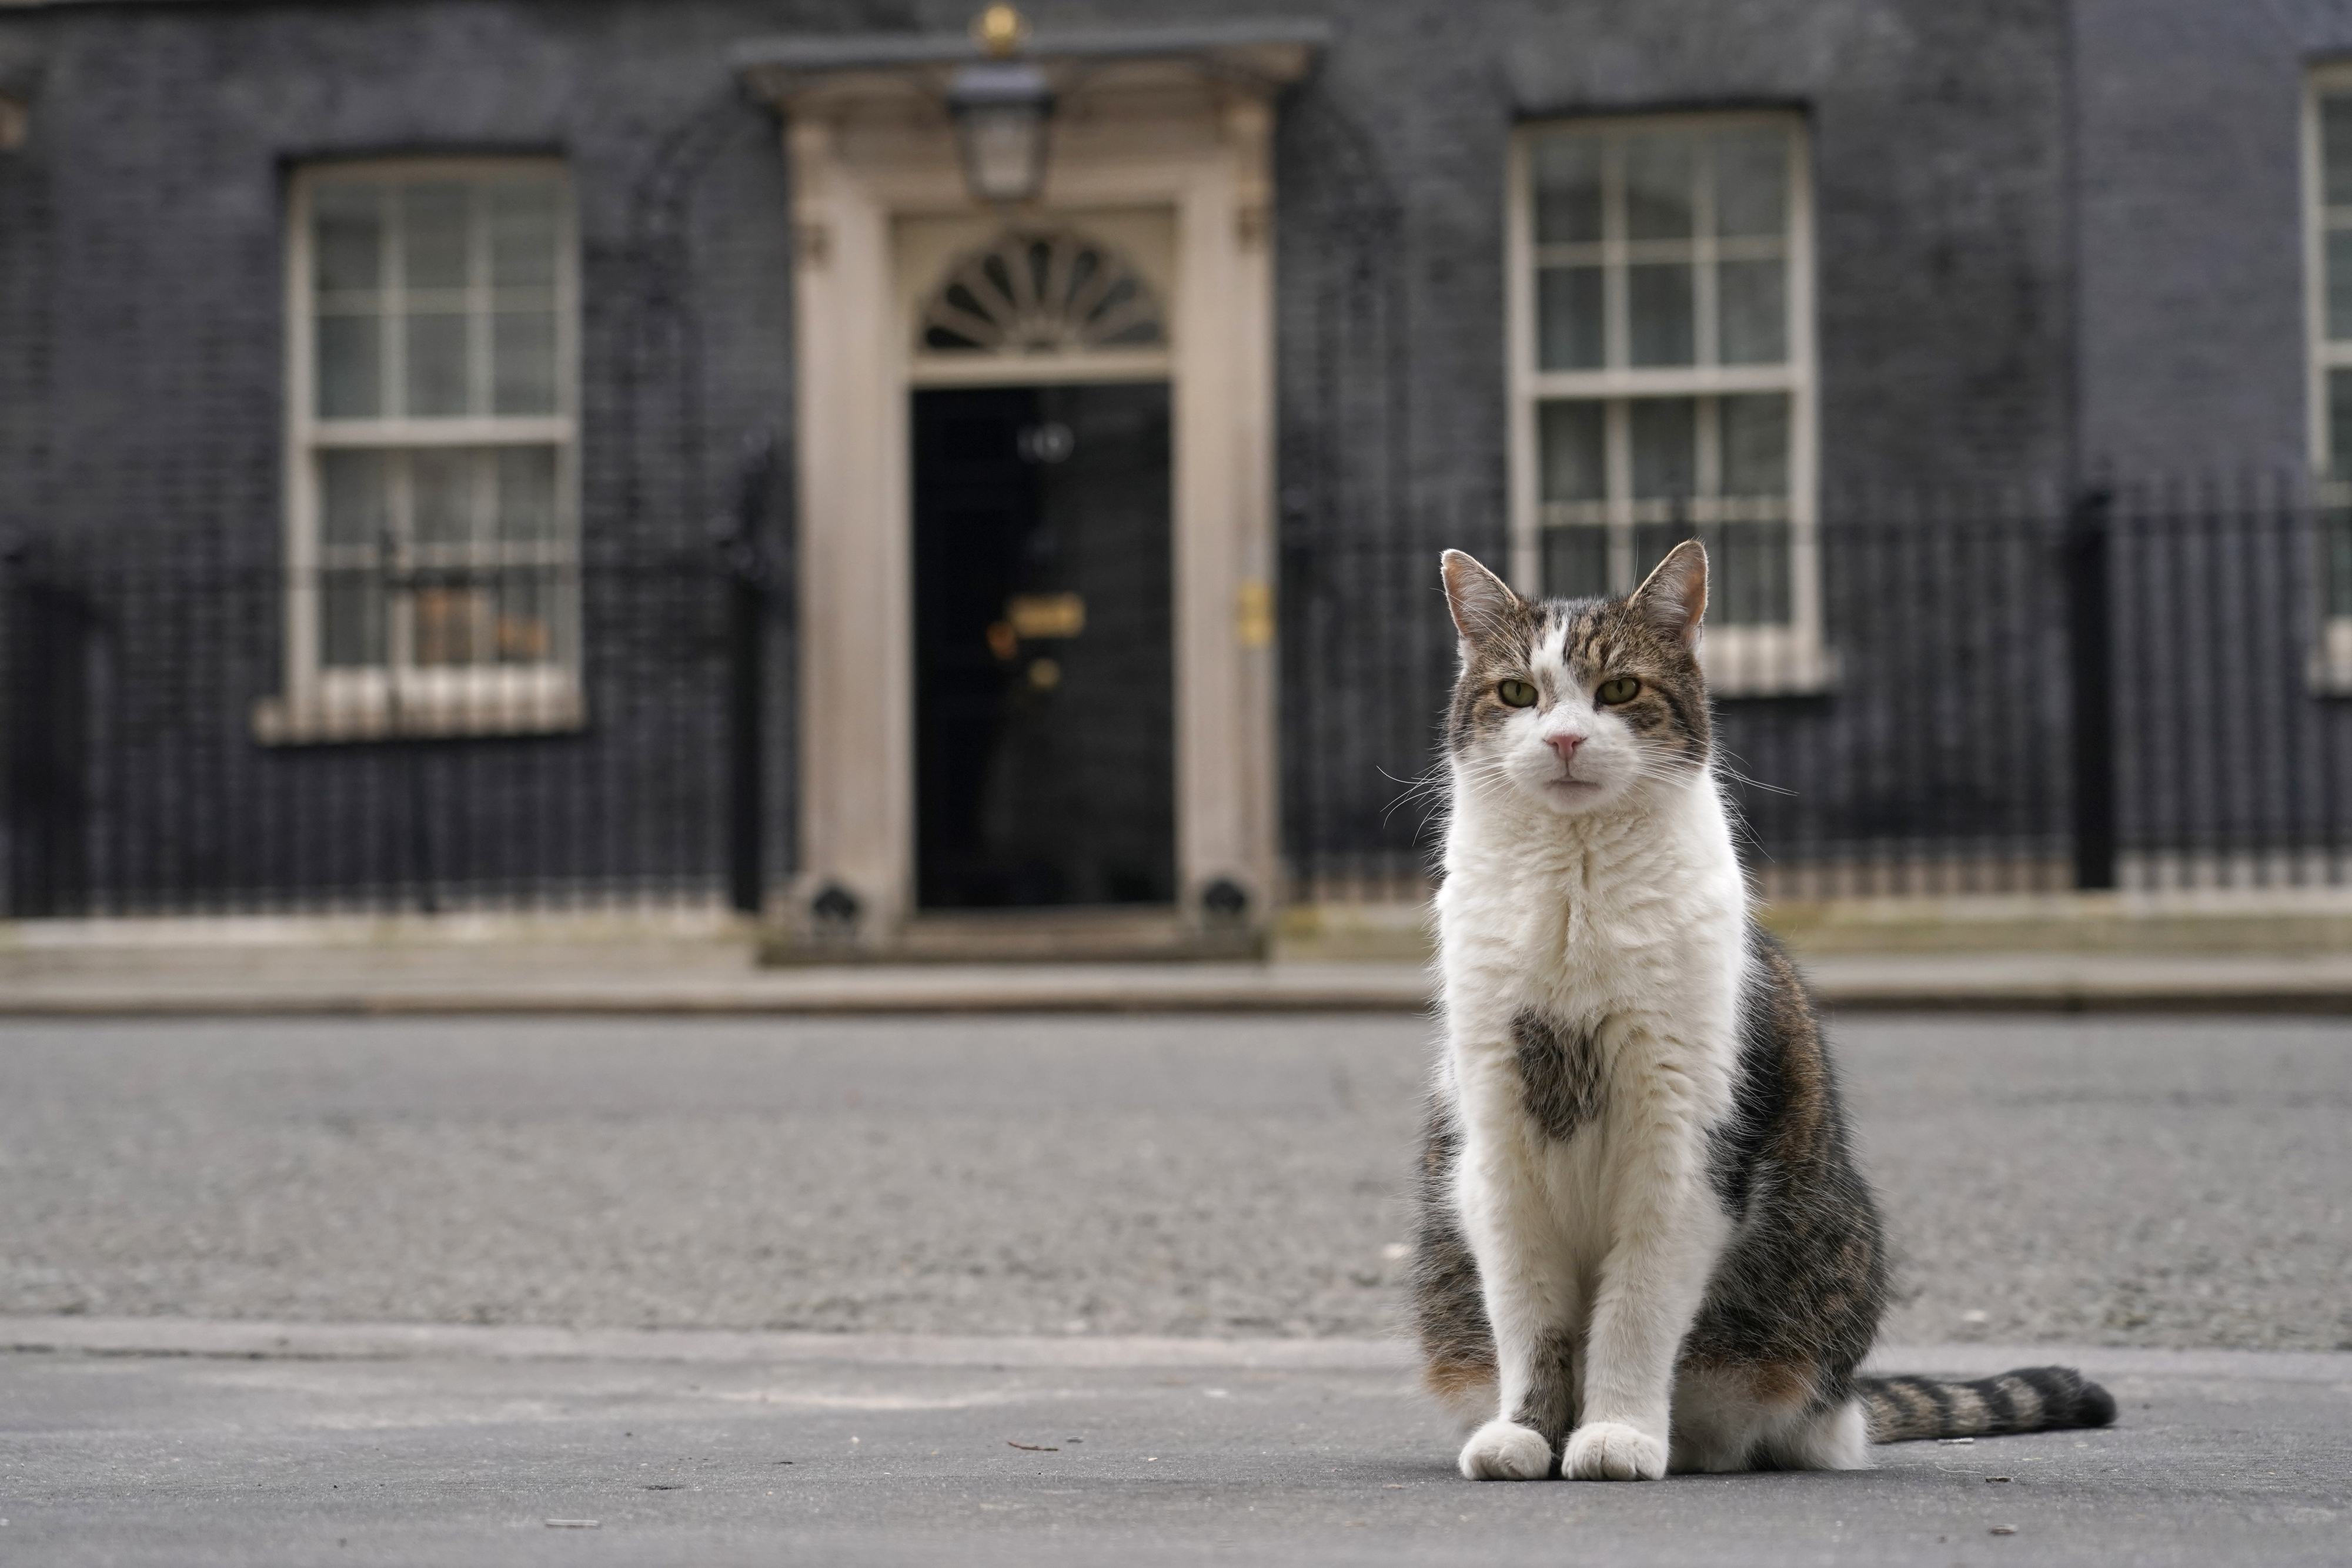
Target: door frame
[867, 149]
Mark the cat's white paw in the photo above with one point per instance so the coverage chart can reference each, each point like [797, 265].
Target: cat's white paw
[1505, 1451]
[1611, 1451]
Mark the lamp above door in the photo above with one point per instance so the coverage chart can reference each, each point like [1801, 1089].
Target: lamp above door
[1001, 87]
[1001, 108]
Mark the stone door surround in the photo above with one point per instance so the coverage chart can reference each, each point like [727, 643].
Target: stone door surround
[1160, 145]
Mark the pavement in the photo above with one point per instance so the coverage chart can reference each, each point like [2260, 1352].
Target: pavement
[164, 1443]
[2181, 1183]
[1063, 1289]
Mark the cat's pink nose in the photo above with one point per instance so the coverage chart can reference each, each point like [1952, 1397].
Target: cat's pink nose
[1566, 746]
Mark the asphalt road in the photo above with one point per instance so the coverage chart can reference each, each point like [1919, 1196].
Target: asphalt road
[2121, 1182]
[185, 1461]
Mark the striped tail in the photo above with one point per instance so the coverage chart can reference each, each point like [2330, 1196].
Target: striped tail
[2031, 1399]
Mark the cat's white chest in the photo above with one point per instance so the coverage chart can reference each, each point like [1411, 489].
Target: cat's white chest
[1630, 945]
[1594, 927]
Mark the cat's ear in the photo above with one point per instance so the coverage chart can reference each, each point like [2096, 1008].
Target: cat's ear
[1484, 605]
[1674, 598]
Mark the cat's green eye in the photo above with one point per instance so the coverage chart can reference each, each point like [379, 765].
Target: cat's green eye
[1517, 693]
[1619, 691]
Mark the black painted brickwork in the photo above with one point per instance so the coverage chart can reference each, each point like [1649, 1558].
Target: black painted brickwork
[141, 245]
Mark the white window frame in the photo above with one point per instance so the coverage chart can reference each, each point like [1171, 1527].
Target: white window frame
[318, 704]
[2331, 660]
[1750, 660]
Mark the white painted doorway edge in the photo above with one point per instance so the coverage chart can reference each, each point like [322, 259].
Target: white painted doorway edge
[870, 148]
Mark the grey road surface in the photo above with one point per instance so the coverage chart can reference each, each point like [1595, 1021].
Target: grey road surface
[2128, 1182]
[182, 1462]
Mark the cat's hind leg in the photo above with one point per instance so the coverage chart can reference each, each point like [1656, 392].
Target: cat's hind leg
[1449, 1305]
[1718, 1421]
[1468, 1393]
[1831, 1439]
[1742, 1418]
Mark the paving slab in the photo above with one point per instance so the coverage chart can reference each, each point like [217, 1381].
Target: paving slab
[2307, 983]
[507, 1447]
[360, 983]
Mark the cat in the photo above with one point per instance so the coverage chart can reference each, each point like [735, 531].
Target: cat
[1643, 1243]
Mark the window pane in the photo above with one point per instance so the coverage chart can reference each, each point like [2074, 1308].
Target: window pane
[1755, 431]
[525, 630]
[1576, 562]
[1658, 171]
[2335, 563]
[1575, 466]
[522, 233]
[2339, 425]
[347, 237]
[526, 493]
[350, 619]
[1665, 456]
[2336, 149]
[352, 498]
[1660, 300]
[1567, 319]
[437, 365]
[2336, 525]
[1754, 325]
[432, 236]
[437, 298]
[522, 361]
[1748, 568]
[441, 496]
[1748, 573]
[449, 622]
[1567, 170]
[2339, 283]
[1751, 182]
[350, 370]
[1651, 543]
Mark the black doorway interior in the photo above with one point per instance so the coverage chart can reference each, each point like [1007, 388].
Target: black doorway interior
[1043, 647]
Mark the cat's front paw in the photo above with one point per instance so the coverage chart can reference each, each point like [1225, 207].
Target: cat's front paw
[1611, 1451]
[1505, 1451]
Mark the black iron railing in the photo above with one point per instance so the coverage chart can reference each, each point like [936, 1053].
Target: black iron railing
[193, 737]
[2139, 688]
[2136, 688]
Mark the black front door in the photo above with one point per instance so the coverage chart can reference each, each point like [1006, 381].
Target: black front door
[1043, 661]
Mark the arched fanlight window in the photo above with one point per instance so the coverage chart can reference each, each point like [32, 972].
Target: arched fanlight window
[1035, 291]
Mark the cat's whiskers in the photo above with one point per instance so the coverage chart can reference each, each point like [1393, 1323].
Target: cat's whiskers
[1430, 787]
[1725, 770]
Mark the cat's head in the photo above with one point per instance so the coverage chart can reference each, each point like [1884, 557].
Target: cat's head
[1577, 704]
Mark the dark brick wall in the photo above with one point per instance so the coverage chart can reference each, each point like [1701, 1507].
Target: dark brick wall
[163, 134]
[1937, 143]
[2193, 350]
[141, 245]
[1939, 158]
[141, 291]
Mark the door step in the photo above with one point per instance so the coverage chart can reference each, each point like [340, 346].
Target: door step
[1114, 935]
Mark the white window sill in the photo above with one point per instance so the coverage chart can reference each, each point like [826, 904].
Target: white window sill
[344, 706]
[1765, 662]
[2331, 661]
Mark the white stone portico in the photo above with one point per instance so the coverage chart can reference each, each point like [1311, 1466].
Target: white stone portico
[1160, 149]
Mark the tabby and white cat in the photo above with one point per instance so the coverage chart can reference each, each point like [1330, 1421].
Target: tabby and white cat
[1643, 1243]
